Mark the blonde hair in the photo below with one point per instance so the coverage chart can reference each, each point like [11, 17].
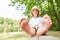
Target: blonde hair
[34, 8]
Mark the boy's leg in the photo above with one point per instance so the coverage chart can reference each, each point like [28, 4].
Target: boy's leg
[25, 26]
[41, 31]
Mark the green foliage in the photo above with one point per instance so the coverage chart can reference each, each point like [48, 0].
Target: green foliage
[50, 7]
[1, 20]
[11, 24]
[1, 28]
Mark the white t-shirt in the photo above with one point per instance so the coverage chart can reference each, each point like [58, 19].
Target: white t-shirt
[35, 22]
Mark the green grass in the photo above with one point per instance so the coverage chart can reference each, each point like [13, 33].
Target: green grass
[24, 36]
[54, 33]
[14, 36]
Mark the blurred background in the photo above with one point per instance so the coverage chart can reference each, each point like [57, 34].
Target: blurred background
[11, 11]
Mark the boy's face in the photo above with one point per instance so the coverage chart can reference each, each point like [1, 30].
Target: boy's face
[35, 13]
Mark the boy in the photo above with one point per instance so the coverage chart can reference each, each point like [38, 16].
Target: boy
[37, 25]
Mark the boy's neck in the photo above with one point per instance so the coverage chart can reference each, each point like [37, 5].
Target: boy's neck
[35, 17]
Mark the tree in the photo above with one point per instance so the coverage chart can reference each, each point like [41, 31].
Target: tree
[50, 7]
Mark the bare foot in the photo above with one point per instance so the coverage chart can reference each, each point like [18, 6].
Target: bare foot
[25, 26]
[47, 21]
[46, 24]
